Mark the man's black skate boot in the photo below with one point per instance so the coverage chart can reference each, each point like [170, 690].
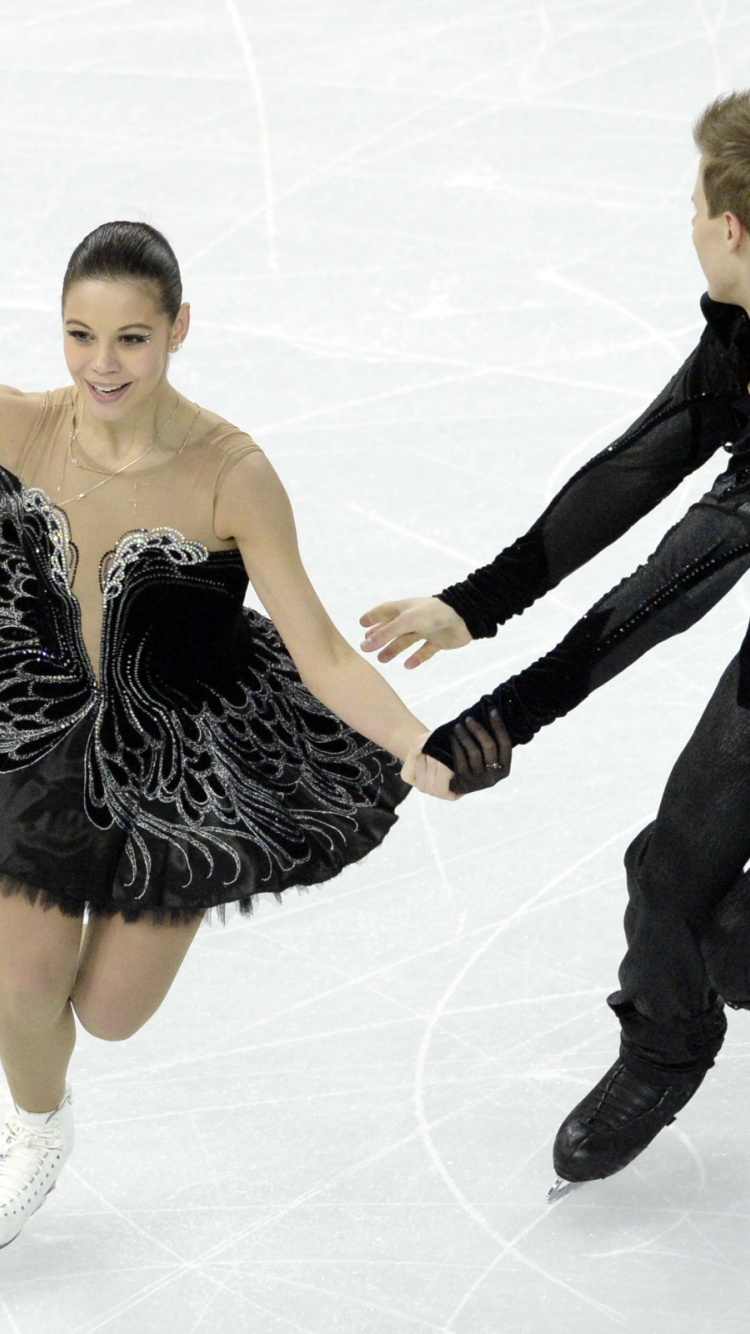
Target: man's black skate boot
[659, 1069]
[617, 1120]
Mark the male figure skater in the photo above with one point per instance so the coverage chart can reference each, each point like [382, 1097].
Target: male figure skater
[687, 922]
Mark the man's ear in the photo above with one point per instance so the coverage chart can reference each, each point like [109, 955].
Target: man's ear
[734, 230]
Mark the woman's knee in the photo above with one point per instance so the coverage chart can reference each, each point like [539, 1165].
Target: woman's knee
[125, 972]
[103, 1017]
[32, 996]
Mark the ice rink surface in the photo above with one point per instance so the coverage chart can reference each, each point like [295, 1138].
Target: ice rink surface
[438, 254]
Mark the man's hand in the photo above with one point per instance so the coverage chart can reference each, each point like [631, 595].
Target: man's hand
[396, 626]
[479, 759]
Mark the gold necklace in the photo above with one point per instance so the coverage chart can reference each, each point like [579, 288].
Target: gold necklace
[143, 478]
[90, 467]
[69, 454]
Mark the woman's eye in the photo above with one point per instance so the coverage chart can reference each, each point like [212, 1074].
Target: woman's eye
[129, 340]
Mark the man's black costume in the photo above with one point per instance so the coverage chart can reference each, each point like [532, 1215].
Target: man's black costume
[685, 952]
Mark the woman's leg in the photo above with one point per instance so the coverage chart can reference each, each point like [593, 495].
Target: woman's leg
[39, 951]
[117, 977]
[126, 970]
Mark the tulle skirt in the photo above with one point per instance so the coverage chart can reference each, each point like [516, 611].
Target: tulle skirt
[295, 815]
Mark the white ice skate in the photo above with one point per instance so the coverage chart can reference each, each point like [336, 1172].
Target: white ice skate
[33, 1151]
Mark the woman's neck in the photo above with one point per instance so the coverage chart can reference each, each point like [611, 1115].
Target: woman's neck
[115, 442]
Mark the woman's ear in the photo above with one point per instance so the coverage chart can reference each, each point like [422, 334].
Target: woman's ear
[180, 328]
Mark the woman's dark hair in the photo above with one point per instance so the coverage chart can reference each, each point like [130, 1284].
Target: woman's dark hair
[130, 250]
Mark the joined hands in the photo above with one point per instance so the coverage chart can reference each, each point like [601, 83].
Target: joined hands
[481, 758]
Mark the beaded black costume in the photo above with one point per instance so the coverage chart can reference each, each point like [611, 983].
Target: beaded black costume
[193, 768]
[705, 406]
[687, 922]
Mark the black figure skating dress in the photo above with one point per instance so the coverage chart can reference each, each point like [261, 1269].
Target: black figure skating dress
[158, 751]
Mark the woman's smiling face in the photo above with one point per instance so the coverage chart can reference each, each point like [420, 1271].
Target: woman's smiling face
[117, 344]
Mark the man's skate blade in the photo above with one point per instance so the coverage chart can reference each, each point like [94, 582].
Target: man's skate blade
[560, 1189]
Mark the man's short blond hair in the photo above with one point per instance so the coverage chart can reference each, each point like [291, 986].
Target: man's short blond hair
[722, 137]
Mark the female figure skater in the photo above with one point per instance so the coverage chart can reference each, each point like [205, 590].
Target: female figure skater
[687, 923]
[159, 754]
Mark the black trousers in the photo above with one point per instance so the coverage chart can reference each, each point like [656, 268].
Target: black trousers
[687, 922]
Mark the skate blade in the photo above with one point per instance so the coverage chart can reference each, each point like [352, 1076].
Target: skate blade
[560, 1189]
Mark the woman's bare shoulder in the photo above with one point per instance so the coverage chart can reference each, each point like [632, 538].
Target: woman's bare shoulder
[18, 412]
[217, 428]
[20, 402]
[249, 495]
[229, 444]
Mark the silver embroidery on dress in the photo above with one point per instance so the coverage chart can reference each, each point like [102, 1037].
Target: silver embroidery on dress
[63, 552]
[222, 762]
[46, 685]
[115, 564]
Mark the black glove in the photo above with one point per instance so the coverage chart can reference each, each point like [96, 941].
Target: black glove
[479, 758]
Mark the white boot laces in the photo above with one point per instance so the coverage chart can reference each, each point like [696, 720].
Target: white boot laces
[25, 1152]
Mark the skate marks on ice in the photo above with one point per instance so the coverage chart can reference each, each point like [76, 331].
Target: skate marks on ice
[343, 1116]
[508, 1246]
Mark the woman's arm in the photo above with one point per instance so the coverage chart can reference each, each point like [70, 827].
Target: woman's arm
[253, 508]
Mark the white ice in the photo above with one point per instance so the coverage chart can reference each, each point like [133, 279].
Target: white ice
[438, 254]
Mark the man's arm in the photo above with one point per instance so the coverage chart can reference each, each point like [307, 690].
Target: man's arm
[676, 434]
[698, 561]
[686, 423]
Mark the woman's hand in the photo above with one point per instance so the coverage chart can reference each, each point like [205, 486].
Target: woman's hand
[426, 774]
[480, 759]
[395, 626]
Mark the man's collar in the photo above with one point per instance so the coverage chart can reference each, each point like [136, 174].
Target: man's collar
[729, 323]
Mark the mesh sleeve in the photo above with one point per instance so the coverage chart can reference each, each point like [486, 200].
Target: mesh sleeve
[232, 450]
[688, 421]
[697, 562]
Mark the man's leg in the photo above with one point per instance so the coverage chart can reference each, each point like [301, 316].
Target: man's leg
[679, 869]
[725, 945]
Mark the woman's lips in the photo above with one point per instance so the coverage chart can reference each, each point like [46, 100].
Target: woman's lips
[107, 393]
